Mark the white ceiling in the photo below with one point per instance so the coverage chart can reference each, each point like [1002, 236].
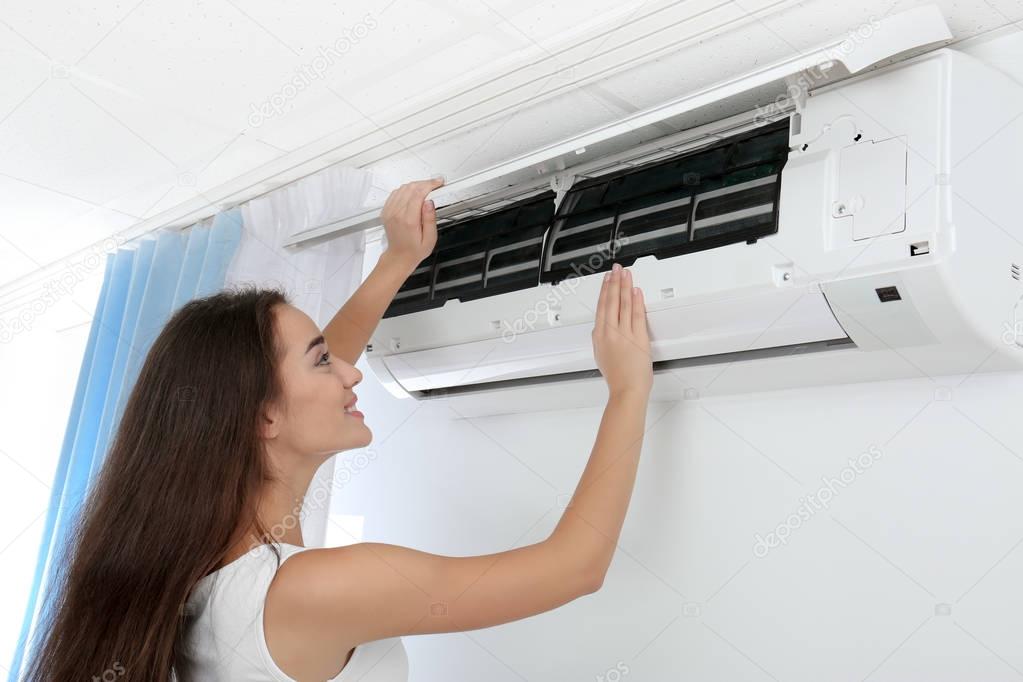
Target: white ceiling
[112, 113]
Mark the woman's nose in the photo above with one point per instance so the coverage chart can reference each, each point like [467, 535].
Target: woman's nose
[350, 375]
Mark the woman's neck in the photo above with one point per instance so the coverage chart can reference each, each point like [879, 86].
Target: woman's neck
[280, 512]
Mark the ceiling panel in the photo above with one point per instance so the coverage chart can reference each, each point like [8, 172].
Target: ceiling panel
[205, 58]
[64, 31]
[55, 219]
[24, 70]
[61, 140]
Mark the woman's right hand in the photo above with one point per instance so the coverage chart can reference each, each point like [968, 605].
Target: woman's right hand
[621, 343]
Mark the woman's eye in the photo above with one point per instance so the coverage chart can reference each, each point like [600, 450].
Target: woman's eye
[324, 359]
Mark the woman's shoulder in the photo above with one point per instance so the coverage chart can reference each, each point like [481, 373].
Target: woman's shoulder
[306, 567]
[298, 626]
[295, 592]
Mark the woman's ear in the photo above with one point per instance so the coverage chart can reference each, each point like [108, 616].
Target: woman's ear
[270, 422]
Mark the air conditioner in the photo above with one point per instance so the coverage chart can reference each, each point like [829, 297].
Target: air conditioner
[866, 231]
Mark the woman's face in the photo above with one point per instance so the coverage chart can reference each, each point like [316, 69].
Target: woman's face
[317, 386]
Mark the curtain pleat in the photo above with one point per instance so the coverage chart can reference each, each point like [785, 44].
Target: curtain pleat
[142, 287]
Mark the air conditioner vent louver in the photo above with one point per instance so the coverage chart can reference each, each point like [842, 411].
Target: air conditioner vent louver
[1014, 271]
[480, 256]
[721, 194]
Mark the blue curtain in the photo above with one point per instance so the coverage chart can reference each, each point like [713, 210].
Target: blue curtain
[142, 287]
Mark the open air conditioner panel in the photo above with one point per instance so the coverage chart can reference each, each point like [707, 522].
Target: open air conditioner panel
[723, 193]
[480, 256]
[720, 194]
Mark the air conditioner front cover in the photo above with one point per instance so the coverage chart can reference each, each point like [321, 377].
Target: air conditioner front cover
[767, 319]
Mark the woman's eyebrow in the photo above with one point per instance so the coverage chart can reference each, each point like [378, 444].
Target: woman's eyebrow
[314, 343]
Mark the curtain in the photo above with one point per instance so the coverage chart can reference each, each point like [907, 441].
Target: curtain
[142, 286]
[145, 283]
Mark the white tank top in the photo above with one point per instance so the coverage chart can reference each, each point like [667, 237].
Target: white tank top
[224, 628]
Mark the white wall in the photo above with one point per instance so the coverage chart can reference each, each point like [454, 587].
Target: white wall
[910, 572]
[42, 340]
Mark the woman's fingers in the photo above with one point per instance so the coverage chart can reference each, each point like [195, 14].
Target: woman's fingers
[639, 321]
[614, 295]
[625, 320]
[415, 194]
[401, 200]
[392, 200]
[432, 183]
[602, 302]
[429, 218]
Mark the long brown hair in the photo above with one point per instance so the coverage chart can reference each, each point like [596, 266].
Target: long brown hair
[182, 476]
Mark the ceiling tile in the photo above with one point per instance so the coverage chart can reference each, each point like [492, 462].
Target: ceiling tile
[207, 58]
[65, 31]
[35, 219]
[61, 140]
[24, 71]
[15, 262]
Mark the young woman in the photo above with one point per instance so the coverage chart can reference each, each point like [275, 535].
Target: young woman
[177, 567]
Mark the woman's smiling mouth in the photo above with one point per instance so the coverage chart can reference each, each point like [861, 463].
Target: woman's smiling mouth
[350, 409]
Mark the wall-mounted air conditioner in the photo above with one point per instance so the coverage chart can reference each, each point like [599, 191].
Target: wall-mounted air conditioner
[865, 231]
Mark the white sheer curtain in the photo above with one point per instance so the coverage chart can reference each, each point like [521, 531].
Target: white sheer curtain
[318, 279]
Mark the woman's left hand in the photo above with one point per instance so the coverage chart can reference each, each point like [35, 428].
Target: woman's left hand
[410, 222]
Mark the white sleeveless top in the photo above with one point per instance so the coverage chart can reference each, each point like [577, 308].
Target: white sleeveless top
[224, 628]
